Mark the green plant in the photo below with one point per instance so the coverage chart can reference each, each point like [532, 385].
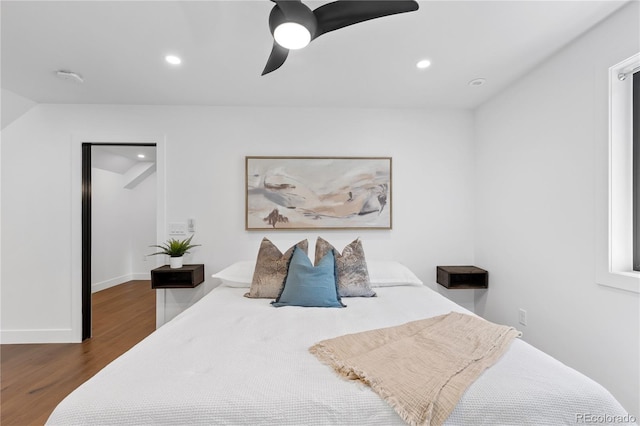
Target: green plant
[175, 248]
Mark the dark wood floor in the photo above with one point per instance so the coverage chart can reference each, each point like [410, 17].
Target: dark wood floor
[36, 377]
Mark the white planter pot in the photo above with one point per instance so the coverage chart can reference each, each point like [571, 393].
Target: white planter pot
[175, 262]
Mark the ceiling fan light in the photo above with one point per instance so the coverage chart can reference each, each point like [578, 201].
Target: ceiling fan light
[292, 35]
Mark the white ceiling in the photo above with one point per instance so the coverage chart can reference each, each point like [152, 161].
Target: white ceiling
[120, 159]
[119, 46]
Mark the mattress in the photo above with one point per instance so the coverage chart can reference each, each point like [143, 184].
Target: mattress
[230, 360]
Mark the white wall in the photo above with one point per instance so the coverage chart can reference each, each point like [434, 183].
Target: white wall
[123, 227]
[13, 106]
[204, 172]
[143, 228]
[538, 148]
[111, 244]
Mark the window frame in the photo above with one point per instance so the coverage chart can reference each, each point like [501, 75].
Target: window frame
[635, 112]
[614, 186]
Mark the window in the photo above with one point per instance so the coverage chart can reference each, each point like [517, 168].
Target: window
[617, 256]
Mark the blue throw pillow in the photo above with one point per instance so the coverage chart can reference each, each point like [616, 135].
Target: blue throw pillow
[306, 285]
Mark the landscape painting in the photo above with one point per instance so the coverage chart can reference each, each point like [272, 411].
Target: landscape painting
[318, 193]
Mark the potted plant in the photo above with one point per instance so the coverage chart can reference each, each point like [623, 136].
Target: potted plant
[175, 249]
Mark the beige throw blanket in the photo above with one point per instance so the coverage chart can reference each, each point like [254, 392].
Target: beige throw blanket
[423, 367]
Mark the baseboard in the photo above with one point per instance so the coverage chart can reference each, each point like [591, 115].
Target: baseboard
[119, 280]
[38, 336]
[103, 285]
[141, 276]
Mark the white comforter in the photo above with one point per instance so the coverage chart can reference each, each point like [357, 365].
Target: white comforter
[237, 361]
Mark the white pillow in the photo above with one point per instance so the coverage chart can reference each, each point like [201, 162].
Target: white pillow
[238, 274]
[384, 273]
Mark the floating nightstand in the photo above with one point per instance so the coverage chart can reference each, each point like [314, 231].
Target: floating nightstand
[462, 277]
[189, 276]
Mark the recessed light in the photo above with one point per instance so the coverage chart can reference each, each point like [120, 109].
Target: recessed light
[173, 60]
[423, 64]
[477, 82]
[140, 155]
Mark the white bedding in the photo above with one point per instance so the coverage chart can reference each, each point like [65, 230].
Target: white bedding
[237, 361]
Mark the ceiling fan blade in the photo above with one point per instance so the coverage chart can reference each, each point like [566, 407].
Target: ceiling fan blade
[276, 58]
[339, 14]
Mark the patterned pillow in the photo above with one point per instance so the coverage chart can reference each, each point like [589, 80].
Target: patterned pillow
[352, 272]
[271, 269]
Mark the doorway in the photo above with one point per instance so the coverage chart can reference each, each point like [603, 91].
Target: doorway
[139, 169]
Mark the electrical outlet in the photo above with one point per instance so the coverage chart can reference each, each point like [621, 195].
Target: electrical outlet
[522, 316]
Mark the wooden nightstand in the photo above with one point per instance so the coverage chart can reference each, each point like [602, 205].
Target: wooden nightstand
[189, 276]
[462, 277]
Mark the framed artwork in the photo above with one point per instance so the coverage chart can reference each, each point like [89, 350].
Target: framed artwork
[318, 193]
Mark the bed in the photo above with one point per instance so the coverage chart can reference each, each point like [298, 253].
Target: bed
[233, 360]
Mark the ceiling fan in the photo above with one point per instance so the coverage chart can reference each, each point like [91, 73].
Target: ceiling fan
[293, 25]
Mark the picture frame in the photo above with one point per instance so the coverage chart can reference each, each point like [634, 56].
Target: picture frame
[295, 193]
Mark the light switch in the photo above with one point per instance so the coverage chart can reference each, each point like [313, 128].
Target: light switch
[178, 228]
